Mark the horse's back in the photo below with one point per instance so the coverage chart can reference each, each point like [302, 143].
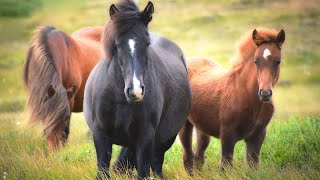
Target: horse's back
[168, 51]
[88, 40]
[91, 33]
[205, 67]
[169, 63]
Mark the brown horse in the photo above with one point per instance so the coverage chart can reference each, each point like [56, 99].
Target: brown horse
[236, 104]
[55, 72]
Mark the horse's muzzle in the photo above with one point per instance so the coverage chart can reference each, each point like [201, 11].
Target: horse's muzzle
[135, 96]
[265, 95]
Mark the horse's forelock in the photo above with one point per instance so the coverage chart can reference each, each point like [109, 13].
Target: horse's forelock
[59, 115]
[128, 16]
[247, 47]
[53, 111]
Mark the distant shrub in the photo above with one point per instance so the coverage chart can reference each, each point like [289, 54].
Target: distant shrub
[18, 8]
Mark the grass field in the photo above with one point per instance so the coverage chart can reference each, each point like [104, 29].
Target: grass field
[204, 28]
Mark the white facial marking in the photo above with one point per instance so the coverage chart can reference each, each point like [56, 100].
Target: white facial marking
[136, 83]
[131, 45]
[266, 53]
[136, 86]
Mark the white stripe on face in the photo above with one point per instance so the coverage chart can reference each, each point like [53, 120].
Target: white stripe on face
[136, 83]
[136, 86]
[266, 53]
[131, 45]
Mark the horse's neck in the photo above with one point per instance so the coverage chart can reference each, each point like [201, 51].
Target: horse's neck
[247, 76]
[71, 58]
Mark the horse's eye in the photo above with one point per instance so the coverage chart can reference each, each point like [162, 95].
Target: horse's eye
[148, 44]
[256, 62]
[278, 62]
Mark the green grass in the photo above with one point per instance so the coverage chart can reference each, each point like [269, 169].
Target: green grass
[206, 28]
[291, 150]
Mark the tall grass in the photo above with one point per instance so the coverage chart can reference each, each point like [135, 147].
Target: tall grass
[295, 142]
[291, 150]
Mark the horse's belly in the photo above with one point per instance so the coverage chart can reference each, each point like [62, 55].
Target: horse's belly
[204, 113]
[206, 124]
[171, 124]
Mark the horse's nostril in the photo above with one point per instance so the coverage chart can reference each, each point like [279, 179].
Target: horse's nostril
[270, 92]
[260, 92]
[130, 92]
[142, 90]
[264, 93]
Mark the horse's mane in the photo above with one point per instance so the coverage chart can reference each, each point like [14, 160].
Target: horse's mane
[246, 47]
[38, 40]
[121, 22]
[39, 72]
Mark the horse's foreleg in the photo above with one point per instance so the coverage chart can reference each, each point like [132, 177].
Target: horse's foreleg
[66, 132]
[202, 144]
[254, 144]
[159, 156]
[104, 151]
[228, 142]
[126, 160]
[144, 152]
[185, 136]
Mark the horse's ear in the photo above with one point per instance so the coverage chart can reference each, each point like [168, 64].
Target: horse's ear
[255, 36]
[50, 92]
[113, 11]
[281, 38]
[71, 91]
[147, 12]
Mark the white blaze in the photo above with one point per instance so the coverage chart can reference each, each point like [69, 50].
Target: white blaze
[131, 45]
[136, 83]
[266, 53]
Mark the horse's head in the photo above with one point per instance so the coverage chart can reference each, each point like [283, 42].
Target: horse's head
[131, 47]
[267, 59]
[57, 130]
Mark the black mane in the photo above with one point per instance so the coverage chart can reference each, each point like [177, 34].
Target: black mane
[128, 16]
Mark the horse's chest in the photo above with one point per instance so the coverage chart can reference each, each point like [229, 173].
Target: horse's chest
[122, 121]
[118, 129]
[250, 119]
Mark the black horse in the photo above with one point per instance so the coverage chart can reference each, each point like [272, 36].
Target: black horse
[138, 96]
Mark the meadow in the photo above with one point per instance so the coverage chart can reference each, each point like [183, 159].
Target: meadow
[204, 28]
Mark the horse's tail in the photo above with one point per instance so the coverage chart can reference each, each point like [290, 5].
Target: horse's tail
[47, 98]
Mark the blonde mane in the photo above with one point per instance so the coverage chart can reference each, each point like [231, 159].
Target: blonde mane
[246, 47]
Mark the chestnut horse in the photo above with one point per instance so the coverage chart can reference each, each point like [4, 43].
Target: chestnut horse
[236, 104]
[55, 72]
